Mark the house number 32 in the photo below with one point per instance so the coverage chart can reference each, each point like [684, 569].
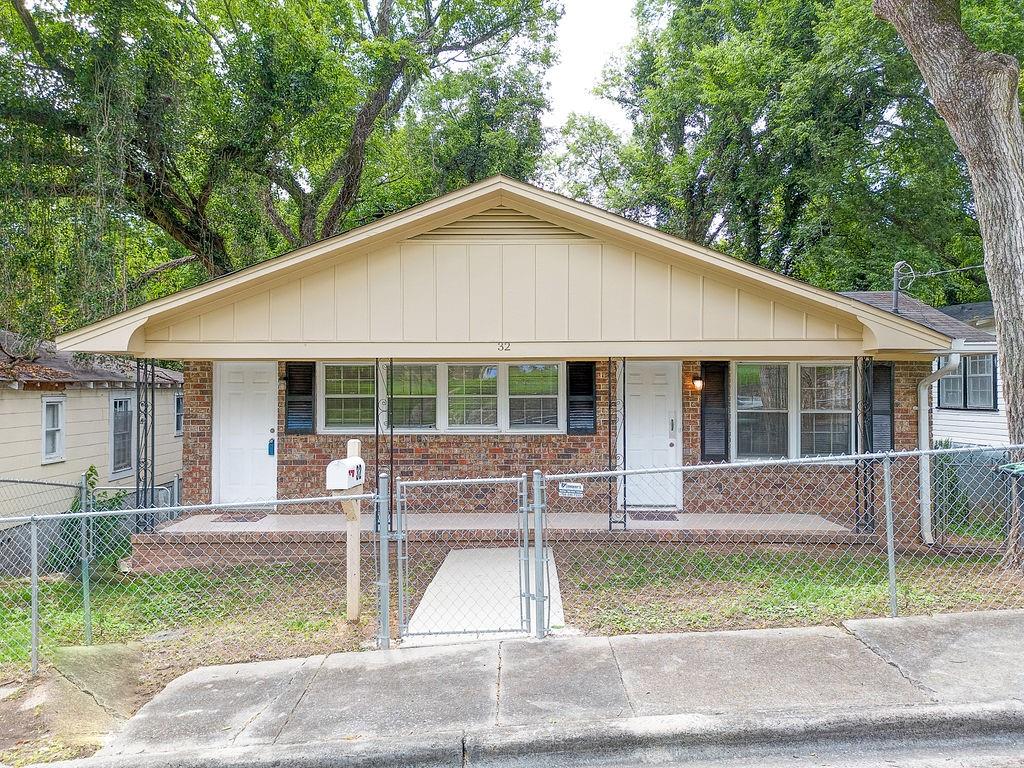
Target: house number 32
[504, 346]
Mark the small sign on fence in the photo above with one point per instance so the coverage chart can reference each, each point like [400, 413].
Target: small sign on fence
[570, 490]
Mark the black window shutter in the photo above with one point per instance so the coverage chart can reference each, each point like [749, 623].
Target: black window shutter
[299, 400]
[881, 408]
[714, 412]
[582, 398]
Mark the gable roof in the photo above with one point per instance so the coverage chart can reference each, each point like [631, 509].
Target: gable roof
[919, 312]
[46, 365]
[558, 216]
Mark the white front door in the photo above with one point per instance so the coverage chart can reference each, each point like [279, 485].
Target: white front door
[245, 404]
[651, 426]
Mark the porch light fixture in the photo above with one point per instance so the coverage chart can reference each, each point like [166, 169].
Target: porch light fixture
[698, 383]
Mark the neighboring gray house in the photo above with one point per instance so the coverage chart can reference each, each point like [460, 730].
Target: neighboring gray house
[967, 406]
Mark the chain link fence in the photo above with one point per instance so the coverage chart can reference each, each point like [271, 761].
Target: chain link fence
[760, 544]
[249, 579]
[462, 557]
[789, 542]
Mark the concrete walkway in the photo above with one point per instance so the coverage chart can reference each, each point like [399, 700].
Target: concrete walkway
[477, 593]
[484, 703]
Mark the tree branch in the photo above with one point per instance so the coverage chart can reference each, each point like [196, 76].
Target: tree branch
[38, 44]
[149, 274]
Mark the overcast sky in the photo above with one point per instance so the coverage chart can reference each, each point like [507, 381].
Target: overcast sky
[589, 34]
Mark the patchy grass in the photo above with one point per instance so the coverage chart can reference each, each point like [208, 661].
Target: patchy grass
[664, 589]
[231, 614]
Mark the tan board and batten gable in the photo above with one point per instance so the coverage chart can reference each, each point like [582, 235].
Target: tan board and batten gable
[504, 269]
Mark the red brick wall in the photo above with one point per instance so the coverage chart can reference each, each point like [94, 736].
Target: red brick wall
[829, 490]
[197, 438]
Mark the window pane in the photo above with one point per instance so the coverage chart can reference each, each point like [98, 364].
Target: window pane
[826, 388]
[979, 392]
[349, 379]
[349, 412]
[50, 446]
[951, 393]
[533, 412]
[414, 412]
[414, 380]
[52, 415]
[762, 435]
[121, 443]
[761, 387]
[824, 434]
[472, 380]
[473, 411]
[533, 380]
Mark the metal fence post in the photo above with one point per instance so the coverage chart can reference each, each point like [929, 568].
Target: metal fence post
[83, 525]
[34, 543]
[890, 536]
[525, 596]
[384, 584]
[539, 505]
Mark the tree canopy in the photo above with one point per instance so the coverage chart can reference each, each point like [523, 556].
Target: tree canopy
[792, 133]
[148, 145]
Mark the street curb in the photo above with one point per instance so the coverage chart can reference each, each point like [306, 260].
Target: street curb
[668, 737]
[673, 734]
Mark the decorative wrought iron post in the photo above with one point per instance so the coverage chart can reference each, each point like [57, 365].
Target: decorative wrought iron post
[617, 518]
[145, 440]
[864, 511]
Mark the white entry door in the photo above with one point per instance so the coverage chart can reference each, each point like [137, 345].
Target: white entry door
[245, 403]
[653, 401]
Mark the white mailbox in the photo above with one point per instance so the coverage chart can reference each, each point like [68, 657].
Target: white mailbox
[343, 474]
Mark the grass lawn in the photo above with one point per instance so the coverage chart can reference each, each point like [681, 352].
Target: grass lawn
[661, 589]
[233, 614]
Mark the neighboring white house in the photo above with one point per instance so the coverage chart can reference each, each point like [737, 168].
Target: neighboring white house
[969, 405]
[61, 413]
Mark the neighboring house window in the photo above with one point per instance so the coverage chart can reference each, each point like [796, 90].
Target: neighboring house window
[349, 393]
[414, 396]
[473, 396]
[762, 411]
[53, 429]
[971, 386]
[122, 430]
[788, 410]
[826, 409]
[443, 397]
[533, 396]
[179, 413]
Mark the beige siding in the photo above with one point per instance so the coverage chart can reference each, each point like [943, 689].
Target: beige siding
[517, 291]
[87, 442]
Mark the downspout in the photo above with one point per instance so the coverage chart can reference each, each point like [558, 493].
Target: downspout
[924, 442]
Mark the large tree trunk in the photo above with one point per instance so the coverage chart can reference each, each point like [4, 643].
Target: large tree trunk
[975, 92]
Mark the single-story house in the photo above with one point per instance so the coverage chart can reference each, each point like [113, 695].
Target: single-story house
[61, 413]
[502, 328]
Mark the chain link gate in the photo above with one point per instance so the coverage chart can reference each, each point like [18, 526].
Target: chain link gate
[462, 557]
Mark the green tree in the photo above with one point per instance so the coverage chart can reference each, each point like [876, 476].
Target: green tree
[795, 134]
[146, 146]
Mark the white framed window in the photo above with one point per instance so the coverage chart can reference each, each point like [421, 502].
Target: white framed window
[787, 410]
[122, 434]
[179, 414]
[414, 396]
[972, 386]
[826, 410]
[465, 397]
[53, 433]
[473, 396]
[761, 410]
[533, 396]
[348, 395]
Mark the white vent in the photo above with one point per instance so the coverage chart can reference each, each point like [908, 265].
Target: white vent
[501, 223]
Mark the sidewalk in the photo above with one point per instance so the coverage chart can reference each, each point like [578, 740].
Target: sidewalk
[488, 702]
